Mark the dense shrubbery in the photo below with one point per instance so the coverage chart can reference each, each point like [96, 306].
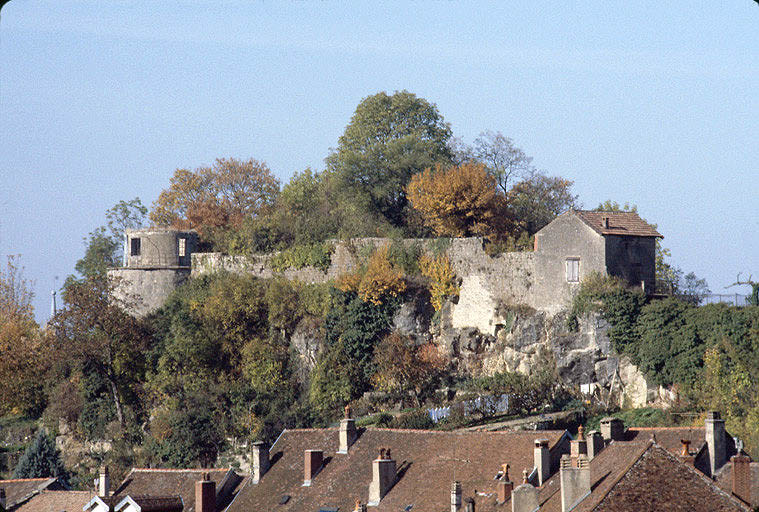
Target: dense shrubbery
[316, 255]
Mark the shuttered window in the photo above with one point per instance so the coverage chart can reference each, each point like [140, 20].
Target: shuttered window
[573, 270]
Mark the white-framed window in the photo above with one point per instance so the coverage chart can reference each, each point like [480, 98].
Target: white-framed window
[182, 247]
[573, 270]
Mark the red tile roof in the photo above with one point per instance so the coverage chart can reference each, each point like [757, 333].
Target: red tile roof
[620, 223]
[21, 489]
[57, 501]
[180, 482]
[642, 476]
[427, 463]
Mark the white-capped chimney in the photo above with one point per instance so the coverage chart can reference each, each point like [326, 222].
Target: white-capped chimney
[524, 498]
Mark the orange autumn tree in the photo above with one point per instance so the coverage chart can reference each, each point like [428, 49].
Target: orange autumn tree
[222, 195]
[459, 201]
[380, 279]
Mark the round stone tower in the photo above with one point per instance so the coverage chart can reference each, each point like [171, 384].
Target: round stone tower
[156, 261]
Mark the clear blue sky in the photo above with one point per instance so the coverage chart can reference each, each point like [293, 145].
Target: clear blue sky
[655, 103]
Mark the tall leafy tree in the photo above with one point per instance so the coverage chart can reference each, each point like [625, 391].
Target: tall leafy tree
[20, 342]
[389, 139]
[459, 201]
[220, 196]
[93, 329]
[538, 199]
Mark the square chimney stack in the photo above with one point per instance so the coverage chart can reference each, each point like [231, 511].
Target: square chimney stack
[205, 494]
[347, 431]
[741, 486]
[542, 460]
[715, 439]
[575, 481]
[504, 486]
[313, 460]
[260, 463]
[612, 429]
[104, 482]
[383, 476]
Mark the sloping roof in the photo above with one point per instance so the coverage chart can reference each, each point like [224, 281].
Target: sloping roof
[57, 501]
[620, 223]
[427, 462]
[179, 482]
[670, 438]
[659, 482]
[21, 489]
[642, 476]
[153, 503]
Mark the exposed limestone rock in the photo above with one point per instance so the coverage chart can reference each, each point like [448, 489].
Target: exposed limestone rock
[308, 341]
[413, 318]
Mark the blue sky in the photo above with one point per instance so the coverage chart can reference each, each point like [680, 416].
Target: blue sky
[653, 103]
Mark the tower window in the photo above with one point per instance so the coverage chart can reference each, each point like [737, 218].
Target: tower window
[182, 247]
[135, 247]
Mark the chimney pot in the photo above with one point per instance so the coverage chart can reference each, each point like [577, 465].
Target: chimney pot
[312, 465]
[685, 447]
[469, 504]
[205, 494]
[504, 486]
[347, 411]
[260, 463]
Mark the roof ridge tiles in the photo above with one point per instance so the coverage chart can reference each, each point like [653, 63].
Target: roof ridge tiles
[41, 479]
[181, 470]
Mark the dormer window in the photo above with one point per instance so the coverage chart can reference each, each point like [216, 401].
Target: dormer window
[573, 270]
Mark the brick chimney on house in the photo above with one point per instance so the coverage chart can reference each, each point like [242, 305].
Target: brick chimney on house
[205, 494]
[524, 498]
[347, 432]
[469, 505]
[312, 464]
[542, 460]
[612, 429]
[504, 485]
[742, 478]
[455, 496]
[605, 221]
[104, 482]
[260, 461]
[383, 477]
[715, 439]
[575, 481]
[595, 443]
[578, 446]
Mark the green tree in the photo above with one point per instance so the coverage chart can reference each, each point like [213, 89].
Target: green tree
[505, 161]
[389, 139]
[104, 244]
[41, 459]
[538, 199]
[93, 328]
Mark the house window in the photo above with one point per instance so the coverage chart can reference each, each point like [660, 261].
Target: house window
[573, 270]
[182, 247]
[135, 247]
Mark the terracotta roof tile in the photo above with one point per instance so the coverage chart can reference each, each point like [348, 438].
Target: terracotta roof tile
[57, 501]
[179, 482]
[20, 489]
[620, 223]
[427, 462]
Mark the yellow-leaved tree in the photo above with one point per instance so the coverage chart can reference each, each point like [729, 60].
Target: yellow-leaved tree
[442, 279]
[380, 280]
[460, 201]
